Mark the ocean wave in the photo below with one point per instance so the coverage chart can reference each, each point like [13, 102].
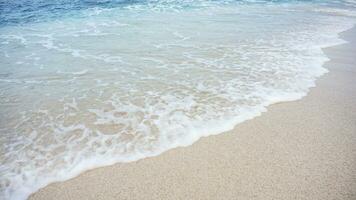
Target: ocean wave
[118, 85]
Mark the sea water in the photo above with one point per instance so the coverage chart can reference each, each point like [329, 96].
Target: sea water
[88, 83]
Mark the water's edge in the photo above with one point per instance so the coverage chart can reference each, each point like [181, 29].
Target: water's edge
[224, 128]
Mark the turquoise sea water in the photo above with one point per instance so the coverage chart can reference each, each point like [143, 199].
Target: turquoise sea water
[88, 83]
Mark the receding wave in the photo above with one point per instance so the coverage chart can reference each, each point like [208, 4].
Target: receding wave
[110, 84]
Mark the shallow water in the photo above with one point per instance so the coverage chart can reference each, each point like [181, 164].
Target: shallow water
[86, 84]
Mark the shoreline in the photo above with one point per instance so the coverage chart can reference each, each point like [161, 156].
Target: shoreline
[184, 172]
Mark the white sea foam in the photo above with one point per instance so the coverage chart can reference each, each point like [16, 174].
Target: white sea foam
[120, 85]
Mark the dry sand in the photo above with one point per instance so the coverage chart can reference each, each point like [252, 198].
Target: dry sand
[304, 149]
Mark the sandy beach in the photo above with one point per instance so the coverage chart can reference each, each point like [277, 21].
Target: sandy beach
[304, 149]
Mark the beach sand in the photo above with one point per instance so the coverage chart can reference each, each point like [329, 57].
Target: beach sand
[304, 149]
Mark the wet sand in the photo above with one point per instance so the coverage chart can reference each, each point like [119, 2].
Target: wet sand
[304, 149]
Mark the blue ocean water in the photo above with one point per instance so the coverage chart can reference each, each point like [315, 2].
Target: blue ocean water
[85, 84]
[14, 12]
